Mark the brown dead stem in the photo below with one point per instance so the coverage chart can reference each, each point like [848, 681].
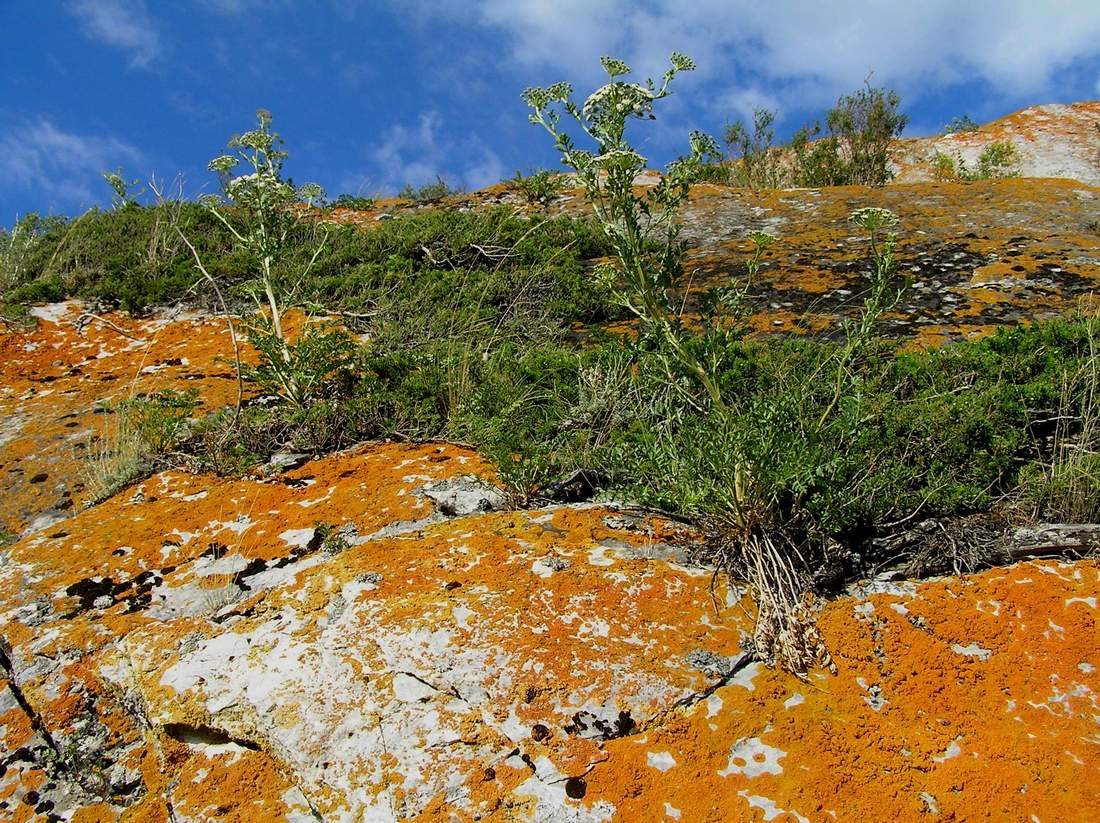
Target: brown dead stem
[785, 634]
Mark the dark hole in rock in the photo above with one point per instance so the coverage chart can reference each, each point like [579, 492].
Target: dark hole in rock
[254, 567]
[625, 724]
[294, 482]
[489, 774]
[89, 590]
[21, 755]
[539, 732]
[214, 549]
[575, 787]
[451, 585]
[585, 724]
[41, 477]
[205, 736]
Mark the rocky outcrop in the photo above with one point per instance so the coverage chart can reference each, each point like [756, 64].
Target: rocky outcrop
[375, 635]
[976, 256]
[1053, 140]
[193, 650]
[59, 381]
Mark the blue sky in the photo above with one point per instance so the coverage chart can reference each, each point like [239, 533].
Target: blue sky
[373, 94]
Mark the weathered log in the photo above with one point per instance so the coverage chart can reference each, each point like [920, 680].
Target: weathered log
[1046, 539]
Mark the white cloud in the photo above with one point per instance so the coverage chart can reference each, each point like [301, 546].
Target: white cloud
[122, 24]
[230, 7]
[741, 103]
[409, 155]
[66, 167]
[485, 171]
[814, 48]
[418, 154]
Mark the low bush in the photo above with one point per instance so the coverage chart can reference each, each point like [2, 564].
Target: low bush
[540, 187]
[755, 162]
[721, 174]
[961, 124]
[131, 258]
[997, 161]
[128, 257]
[856, 148]
[353, 201]
[427, 193]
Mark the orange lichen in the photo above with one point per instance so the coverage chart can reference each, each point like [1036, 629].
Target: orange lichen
[976, 693]
[492, 665]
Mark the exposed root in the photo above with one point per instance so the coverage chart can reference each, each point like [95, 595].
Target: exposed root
[960, 545]
[785, 634]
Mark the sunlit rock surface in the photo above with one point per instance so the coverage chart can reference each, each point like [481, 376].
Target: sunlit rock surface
[1053, 140]
[375, 636]
[191, 646]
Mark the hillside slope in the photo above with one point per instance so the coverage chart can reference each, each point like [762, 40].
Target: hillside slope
[382, 634]
[1054, 140]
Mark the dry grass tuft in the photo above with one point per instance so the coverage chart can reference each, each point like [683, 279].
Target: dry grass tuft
[1067, 489]
[785, 634]
[117, 457]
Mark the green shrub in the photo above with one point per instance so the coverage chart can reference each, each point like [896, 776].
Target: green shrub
[997, 161]
[319, 364]
[540, 187]
[1065, 487]
[959, 125]
[943, 167]
[718, 173]
[353, 201]
[17, 246]
[856, 150]
[756, 164]
[129, 257]
[428, 193]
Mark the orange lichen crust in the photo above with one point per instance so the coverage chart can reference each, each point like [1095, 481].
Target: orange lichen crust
[1050, 141]
[501, 665]
[59, 380]
[969, 697]
[974, 256]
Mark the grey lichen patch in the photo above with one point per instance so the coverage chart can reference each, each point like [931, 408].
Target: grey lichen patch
[460, 496]
[972, 650]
